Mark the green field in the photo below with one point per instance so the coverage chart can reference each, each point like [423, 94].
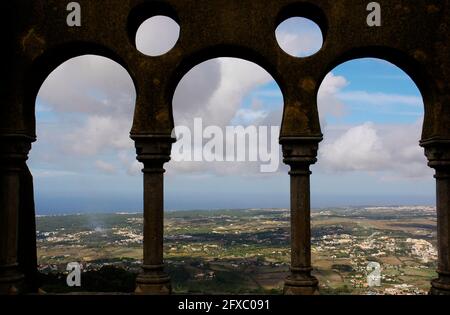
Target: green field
[245, 251]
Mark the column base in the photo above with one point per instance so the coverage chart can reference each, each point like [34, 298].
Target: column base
[154, 282]
[11, 281]
[440, 287]
[301, 284]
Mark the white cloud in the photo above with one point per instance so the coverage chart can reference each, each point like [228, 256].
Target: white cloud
[391, 150]
[91, 85]
[380, 98]
[358, 149]
[128, 160]
[92, 102]
[299, 46]
[299, 37]
[215, 89]
[327, 101]
[100, 133]
[157, 35]
[105, 167]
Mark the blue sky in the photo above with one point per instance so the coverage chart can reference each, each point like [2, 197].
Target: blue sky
[371, 115]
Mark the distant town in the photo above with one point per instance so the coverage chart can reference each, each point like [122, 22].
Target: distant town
[245, 251]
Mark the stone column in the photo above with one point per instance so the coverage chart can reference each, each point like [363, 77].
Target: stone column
[153, 152]
[13, 154]
[438, 154]
[27, 251]
[300, 154]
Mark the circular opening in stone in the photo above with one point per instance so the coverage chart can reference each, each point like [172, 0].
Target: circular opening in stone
[157, 35]
[299, 37]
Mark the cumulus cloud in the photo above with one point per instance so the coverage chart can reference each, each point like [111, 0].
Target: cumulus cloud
[128, 162]
[157, 35]
[195, 90]
[392, 150]
[88, 84]
[360, 148]
[105, 167]
[91, 101]
[214, 90]
[100, 133]
[327, 101]
[299, 37]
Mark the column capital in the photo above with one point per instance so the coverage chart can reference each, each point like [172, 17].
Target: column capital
[15, 147]
[300, 152]
[437, 151]
[153, 150]
[14, 150]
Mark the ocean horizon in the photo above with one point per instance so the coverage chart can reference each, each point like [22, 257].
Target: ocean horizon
[313, 209]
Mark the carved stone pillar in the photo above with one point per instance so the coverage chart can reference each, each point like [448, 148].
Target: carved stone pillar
[438, 154]
[300, 154]
[27, 251]
[153, 152]
[13, 154]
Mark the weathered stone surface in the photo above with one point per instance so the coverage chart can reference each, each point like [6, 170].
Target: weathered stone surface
[414, 36]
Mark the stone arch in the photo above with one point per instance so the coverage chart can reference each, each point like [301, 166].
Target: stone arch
[189, 62]
[51, 59]
[307, 10]
[414, 37]
[415, 70]
[144, 11]
[40, 71]
[420, 74]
